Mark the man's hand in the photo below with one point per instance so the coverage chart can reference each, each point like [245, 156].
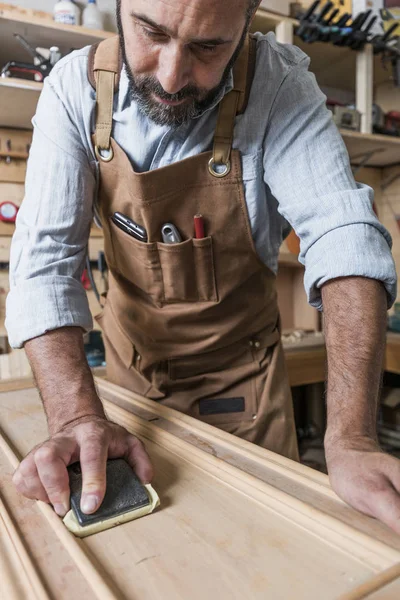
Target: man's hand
[43, 475]
[366, 478]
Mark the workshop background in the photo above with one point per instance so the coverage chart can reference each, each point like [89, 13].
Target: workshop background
[355, 54]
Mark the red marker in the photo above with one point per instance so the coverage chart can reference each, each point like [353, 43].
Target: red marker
[199, 227]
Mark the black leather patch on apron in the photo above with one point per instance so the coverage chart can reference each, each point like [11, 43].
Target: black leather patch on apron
[220, 406]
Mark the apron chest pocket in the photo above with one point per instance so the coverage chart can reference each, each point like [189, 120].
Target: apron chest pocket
[188, 271]
[137, 262]
[168, 273]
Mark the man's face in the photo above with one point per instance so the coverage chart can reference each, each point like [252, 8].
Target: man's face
[178, 53]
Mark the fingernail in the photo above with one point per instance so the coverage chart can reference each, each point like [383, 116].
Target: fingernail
[89, 503]
[60, 510]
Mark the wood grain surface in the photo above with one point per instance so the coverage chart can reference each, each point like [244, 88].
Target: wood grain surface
[235, 520]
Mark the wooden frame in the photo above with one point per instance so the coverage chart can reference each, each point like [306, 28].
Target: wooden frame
[236, 520]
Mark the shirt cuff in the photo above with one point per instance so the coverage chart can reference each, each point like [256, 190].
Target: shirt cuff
[357, 250]
[35, 306]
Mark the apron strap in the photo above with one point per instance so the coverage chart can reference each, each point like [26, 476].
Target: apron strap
[234, 103]
[104, 67]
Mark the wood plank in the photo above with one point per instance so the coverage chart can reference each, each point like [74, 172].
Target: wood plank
[219, 530]
[13, 171]
[306, 366]
[387, 148]
[307, 485]
[18, 100]
[12, 192]
[16, 139]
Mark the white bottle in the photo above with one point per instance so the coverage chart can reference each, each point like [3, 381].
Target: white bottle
[67, 12]
[92, 17]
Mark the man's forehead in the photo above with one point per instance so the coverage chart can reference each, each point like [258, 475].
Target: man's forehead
[201, 10]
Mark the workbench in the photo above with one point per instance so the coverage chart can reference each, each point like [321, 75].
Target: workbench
[235, 521]
[306, 364]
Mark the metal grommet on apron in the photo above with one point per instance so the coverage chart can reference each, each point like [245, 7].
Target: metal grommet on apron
[104, 155]
[219, 169]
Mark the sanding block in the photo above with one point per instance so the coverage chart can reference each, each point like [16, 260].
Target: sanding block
[126, 499]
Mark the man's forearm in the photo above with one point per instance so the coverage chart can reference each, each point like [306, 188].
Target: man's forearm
[355, 325]
[63, 377]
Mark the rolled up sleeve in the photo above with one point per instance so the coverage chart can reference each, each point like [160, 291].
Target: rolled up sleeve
[307, 168]
[49, 246]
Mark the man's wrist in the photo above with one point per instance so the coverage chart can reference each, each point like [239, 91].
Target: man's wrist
[60, 419]
[337, 441]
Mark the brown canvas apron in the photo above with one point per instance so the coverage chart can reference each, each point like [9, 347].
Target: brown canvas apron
[193, 325]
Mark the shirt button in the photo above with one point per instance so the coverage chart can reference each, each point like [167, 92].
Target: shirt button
[139, 357]
[254, 417]
[257, 344]
[251, 343]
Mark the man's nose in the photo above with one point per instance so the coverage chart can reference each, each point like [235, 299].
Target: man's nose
[174, 69]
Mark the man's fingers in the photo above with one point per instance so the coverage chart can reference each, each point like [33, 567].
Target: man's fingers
[27, 480]
[53, 474]
[94, 452]
[385, 506]
[139, 460]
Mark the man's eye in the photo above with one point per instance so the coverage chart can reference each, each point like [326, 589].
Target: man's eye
[154, 35]
[207, 48]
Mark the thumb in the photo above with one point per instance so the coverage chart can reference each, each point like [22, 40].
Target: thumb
[93, 459]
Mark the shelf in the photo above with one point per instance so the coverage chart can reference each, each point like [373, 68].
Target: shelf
[334, 67]
[359, 144]
[18, 100]
[40, 32]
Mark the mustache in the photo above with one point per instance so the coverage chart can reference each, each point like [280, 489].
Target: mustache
[150, 84]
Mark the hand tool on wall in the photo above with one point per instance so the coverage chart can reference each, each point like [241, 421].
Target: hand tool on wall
[320, 23]
[322, 27]
[360, 35]
[307, 20]
[388, 45]
[38, 70]
[126, 499]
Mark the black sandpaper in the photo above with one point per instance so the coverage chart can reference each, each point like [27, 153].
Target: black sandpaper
[124, 492]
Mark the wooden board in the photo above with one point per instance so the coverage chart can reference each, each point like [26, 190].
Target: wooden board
[220, 532]
[16, 140]
[11, 192]
[13, 171]
[387, 148]
[18, 100]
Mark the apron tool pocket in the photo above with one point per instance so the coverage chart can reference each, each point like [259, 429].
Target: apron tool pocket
[137, 262]
[188, 271]
[178, 272]
[205, 272]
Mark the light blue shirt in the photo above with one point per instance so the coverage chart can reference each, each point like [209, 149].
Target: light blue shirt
[295, 168]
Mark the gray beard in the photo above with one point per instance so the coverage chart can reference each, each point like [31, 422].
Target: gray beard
[141, 90]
